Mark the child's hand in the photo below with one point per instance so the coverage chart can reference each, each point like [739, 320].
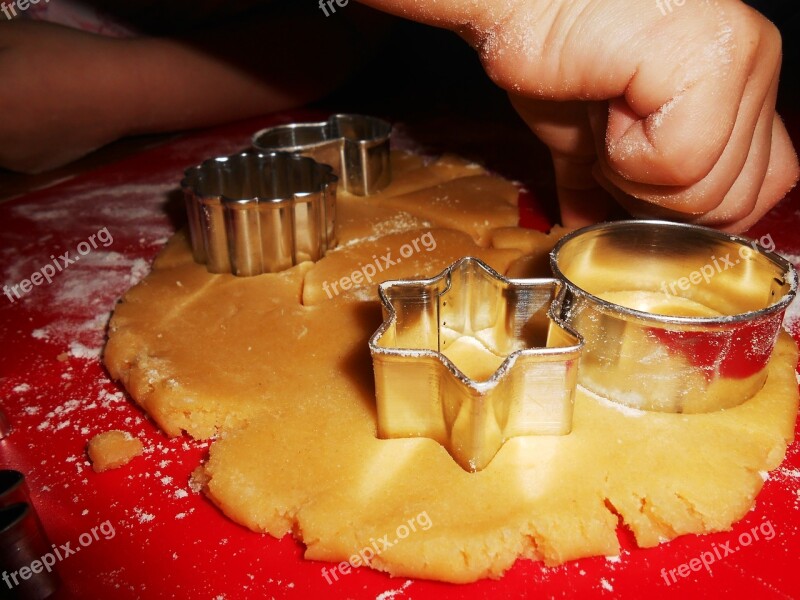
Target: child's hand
[670, 108]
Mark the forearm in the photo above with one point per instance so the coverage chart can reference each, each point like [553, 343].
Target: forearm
[237, 71]
[66, 93]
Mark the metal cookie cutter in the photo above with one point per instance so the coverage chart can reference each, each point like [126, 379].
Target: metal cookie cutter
[5, 426]
[13, 488]
[428, 383]
[254, 213]
[356, 146]
[676, 318]
[23, 543]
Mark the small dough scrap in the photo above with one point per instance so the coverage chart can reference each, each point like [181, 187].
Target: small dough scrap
[113, 449]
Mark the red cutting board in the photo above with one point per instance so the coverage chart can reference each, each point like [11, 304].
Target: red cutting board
[169, 541]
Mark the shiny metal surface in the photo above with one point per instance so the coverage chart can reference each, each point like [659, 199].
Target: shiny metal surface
[13, 488]
[5, 426]
[676, 318]
[22, 540]
[355, 146]
[254, 213]
[471, 359]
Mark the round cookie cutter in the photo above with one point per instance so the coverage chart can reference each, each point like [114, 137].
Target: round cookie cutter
[675, 317]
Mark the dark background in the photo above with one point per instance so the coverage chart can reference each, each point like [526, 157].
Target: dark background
[425, 78]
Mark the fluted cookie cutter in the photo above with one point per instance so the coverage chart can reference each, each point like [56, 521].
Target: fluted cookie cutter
[676, 318]
[421, 384]
[26, 573]
[355, 146]
[254, 213]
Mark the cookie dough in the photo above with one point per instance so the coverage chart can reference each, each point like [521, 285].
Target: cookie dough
[279, 365]
[112, 449]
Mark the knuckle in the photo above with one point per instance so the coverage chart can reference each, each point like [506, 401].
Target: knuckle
[757, 37]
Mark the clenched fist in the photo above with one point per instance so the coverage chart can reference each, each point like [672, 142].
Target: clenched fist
[668, 109]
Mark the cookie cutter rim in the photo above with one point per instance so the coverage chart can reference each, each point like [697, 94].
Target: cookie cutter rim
[356, 147]
[480, 391]
[240, 224]
[502, 370]
[13, 488]
[674, 364]
[781, 305]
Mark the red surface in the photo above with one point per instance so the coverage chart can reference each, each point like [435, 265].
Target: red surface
[734, 357]
[171, 542]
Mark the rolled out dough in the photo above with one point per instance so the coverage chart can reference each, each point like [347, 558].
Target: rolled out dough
[282, 370]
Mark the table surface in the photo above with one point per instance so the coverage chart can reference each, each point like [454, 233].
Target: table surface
[170, 541]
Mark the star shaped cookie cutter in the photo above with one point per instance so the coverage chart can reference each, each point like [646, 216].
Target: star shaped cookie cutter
[254, 213]
[432, 325]
[355, 146]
